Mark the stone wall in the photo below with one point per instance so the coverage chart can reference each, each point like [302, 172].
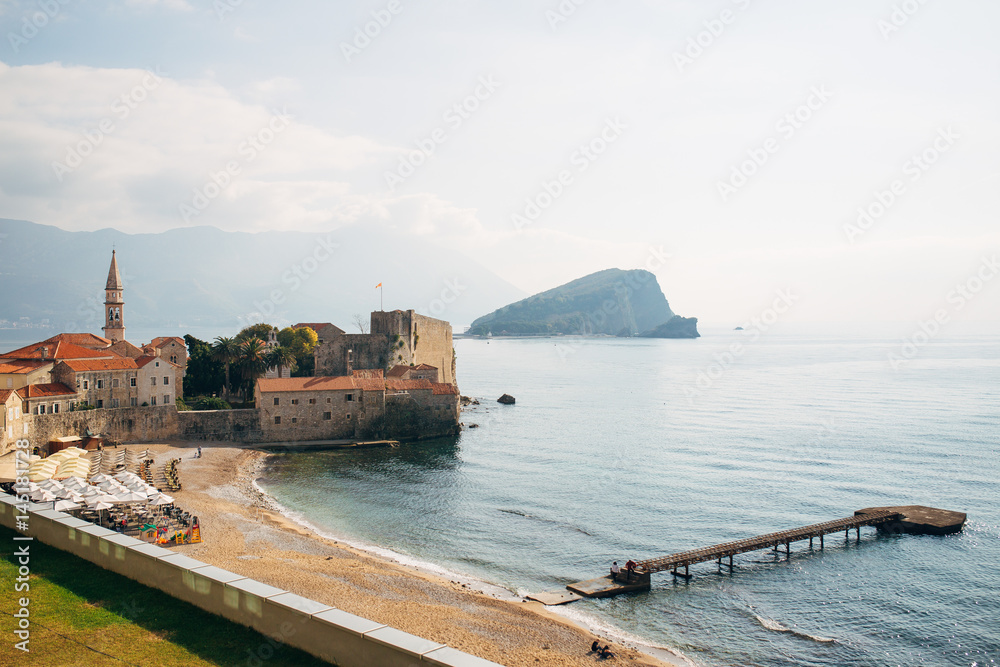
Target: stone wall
[126, 424]
[220, 425]
[414, 415]
[367, 351]
[432, 344]
[315, 415]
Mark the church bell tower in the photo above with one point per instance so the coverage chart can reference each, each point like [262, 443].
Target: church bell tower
[114, 304]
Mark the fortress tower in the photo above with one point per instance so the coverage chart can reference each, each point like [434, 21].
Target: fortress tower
[114, 304]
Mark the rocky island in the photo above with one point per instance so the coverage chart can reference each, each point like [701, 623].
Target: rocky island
[612, 302]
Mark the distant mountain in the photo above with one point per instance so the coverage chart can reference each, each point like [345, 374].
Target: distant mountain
[612, 302]
[202, 276]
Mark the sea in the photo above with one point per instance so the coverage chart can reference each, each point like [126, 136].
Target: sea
[637, 448]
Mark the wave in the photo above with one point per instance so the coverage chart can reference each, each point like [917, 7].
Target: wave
[774, 626]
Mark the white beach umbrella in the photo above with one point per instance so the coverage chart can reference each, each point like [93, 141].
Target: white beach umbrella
[160, 499]
[63, 505]
[98, 478]
[50, 484]
[42, 496]
[99, 503]
[76, 450]
[133, 497]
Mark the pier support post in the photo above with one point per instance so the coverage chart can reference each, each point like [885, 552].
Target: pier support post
[810, 543]
[730, 562]
[821, 541]
[859, 533]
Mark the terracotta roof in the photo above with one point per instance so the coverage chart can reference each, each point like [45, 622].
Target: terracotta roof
[87, 340]
[45, 390]
[141, 362]
[337, 383]
[398, 371]
[424, 367]
[57, 350]
[16, 367]
[368, 373]
[345, 383]
[125, 349]
[5, 394]
[115, 364]
[317, 326]
[161, 341]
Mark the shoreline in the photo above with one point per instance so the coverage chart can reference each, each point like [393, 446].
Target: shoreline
[246, 531]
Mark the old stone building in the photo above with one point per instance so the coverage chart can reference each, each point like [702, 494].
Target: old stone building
[398, 337]
[362, 405]
[42, 399]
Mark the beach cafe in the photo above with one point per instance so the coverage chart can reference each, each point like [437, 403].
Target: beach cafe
[101, 489]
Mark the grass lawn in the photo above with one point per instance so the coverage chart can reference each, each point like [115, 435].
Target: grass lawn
[82, 614]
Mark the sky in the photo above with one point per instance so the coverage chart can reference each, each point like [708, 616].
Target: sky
[843, 156]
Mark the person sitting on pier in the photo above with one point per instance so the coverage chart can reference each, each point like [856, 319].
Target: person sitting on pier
[630, 569]
[614, 571]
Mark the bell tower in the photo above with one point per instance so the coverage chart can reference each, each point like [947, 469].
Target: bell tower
[114, 304]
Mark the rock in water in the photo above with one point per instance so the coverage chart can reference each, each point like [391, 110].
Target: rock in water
[506, 399]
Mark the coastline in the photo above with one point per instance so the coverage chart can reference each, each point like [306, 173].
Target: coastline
[246, 531]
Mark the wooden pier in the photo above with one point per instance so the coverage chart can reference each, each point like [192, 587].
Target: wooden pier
[909, 518]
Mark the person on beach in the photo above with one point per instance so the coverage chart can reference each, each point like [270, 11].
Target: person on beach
[615, 570]
[595, 647]
[199, 453]
[606, 652]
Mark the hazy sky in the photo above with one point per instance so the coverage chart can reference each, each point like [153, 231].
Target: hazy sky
[544, 139]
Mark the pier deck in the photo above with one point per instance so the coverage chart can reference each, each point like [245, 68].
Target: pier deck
[904, 518]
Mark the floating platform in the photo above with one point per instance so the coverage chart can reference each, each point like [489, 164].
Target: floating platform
[919, 520]
[553, 598]
[604, 587]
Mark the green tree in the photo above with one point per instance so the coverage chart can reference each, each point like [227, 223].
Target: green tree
[302, 342]
[252, 363]
[225, 351]
[279, 356]
[204, 372]
[260, 331]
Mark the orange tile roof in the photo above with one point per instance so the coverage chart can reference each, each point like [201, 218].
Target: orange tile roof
[88, 340]
[5, 394]
[398, 371]
[160, 341]
[16, 367]
[115, 364]
[141, 362]
[58, 351]
[440, 389]
[45, 390]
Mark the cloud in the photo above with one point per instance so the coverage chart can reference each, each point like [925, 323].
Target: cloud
[176, 5]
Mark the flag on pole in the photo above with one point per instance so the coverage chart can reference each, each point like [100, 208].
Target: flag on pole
[379, 285]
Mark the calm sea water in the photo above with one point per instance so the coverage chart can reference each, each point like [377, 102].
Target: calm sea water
[617, 449]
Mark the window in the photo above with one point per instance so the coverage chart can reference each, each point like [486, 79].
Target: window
[72, 404]
[100, 403]
[86, 384]
[152, 381]
[166, 399]
[295, 420]
[277, 420]
[100, 384]
[114, 403]
[329, 400]
[295, 401]
[157, 364]
[56, 408]
[327, 416]
[152, 401]
[350, 397]
[348, 415]
[134, 402]
[166, 380]
[276, 400]
[114, 383]
[10, 383]
[312, 401]
[173, 359]
[131, 382]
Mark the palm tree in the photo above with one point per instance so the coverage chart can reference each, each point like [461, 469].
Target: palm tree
[280, 357]
[226, 350]
[252, 362]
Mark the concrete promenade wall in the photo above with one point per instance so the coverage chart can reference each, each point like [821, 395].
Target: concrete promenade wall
[131, 424]
[285, 618]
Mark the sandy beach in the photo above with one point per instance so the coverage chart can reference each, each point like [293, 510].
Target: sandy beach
[243, 533]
